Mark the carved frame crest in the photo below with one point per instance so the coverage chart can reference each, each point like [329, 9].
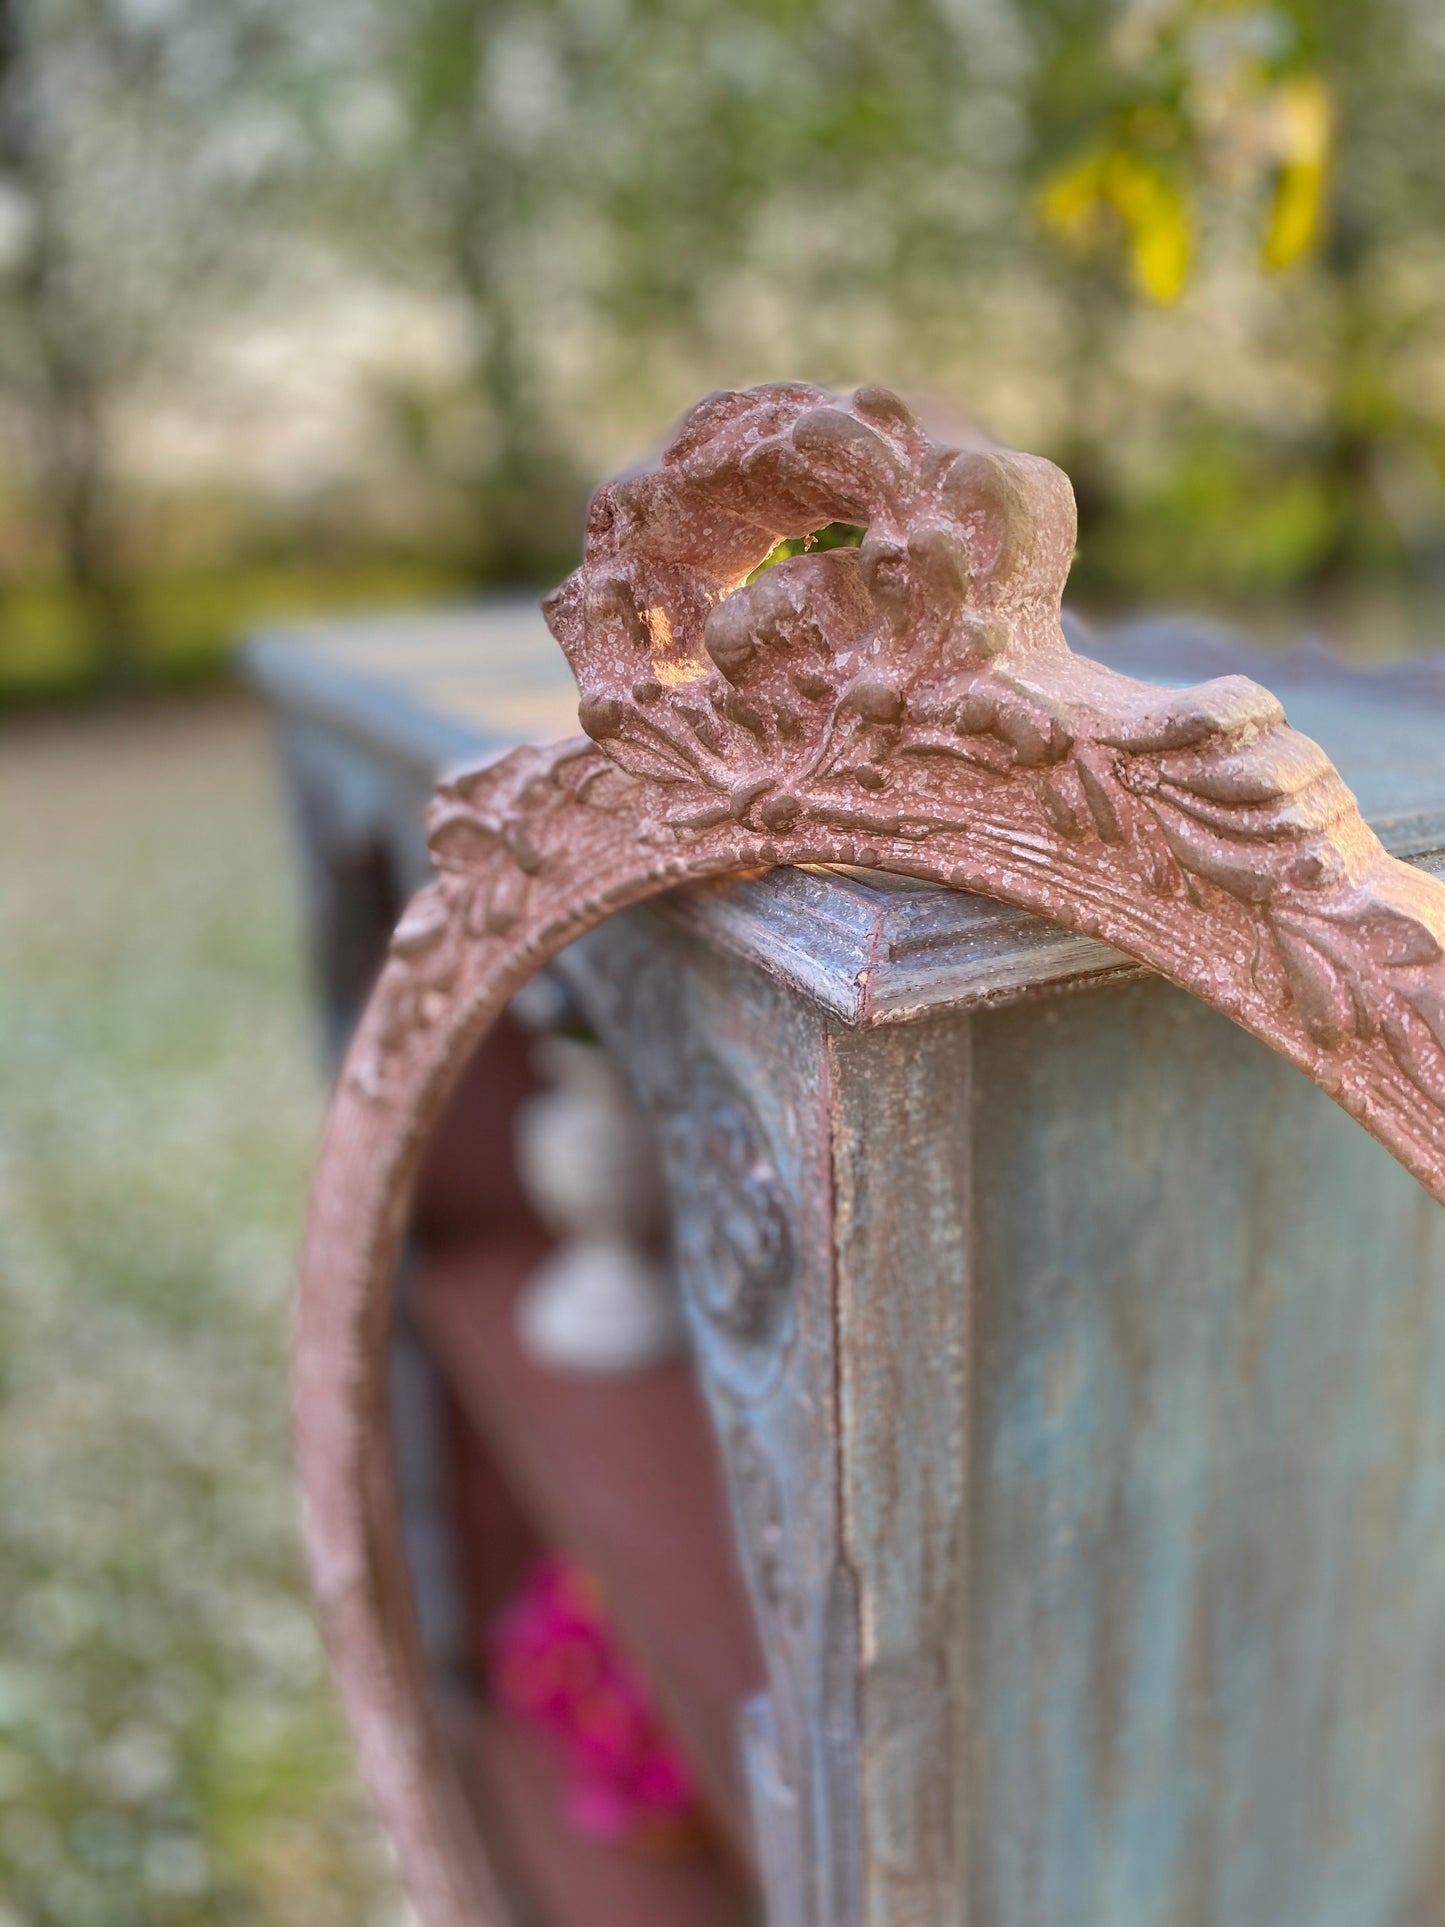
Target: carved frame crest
[908, 705]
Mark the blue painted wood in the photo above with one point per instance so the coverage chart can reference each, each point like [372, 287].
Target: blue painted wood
[1120, 1403]
[1208, 1486]
[439, 688]
[428, 690]
[1080, 1368]
[374, 710]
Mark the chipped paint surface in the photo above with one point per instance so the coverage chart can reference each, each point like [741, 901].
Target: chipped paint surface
[1209, 1481]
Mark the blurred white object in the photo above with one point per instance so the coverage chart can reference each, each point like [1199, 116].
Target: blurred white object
[602, 1302]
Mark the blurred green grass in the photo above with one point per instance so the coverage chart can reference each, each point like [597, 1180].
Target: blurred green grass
[170, 1750]
[189, 625]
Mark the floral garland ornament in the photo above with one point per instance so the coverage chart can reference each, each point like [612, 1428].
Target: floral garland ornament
[909, 705]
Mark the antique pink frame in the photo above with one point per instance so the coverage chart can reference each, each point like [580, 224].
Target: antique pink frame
[909, 706]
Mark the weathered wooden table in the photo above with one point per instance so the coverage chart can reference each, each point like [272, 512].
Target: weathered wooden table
[1076, 1368]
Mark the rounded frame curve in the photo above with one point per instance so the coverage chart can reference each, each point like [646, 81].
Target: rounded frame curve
[909, 705]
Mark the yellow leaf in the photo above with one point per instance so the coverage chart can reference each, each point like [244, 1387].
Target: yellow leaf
[1160, 225]
[1109, 188]
[1073, 199]
[1296, 217]
[1303, 124]
[1161, 252]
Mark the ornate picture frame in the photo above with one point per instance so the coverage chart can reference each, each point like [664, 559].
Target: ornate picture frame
[908, 705]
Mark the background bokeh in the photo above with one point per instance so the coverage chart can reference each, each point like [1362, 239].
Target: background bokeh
[347, 303]
[353, 301]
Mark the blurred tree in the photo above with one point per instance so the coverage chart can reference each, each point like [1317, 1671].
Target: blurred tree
[1207, 94]
[1192, 248]
[631, 196]
[626, 193]
[136, 140]
[1269, 164]
[54, 371]
[479, 179]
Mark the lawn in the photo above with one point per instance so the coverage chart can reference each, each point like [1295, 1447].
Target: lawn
[190, 624]
[170, 1750]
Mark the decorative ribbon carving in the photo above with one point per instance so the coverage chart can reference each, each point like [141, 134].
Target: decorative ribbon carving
[909, 705]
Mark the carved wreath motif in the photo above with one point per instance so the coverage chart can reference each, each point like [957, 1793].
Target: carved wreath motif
[911, 688]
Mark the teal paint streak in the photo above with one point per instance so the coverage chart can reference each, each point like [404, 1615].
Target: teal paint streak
[1209, 1485]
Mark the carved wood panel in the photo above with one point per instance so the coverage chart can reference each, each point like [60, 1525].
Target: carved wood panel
[736, 1073]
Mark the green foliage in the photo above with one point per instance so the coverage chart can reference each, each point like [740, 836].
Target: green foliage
[1191, 248]
[1266, 166]
[137, 171]
[837, 535]
[644, 197]
[190, 625]
[1223, 507]
[1201, 96]
[171, 1751]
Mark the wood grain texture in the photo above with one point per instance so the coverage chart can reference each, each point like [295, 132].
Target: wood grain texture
[901, 1119]
[909, 706]
[873, 952]
[1207, 1635]
[1136, 1474]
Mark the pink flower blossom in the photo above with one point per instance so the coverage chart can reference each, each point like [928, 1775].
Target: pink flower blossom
[554, 1667]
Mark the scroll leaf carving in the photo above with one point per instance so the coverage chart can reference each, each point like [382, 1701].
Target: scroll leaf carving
[908, 693]
[490, 830]
[909, 705]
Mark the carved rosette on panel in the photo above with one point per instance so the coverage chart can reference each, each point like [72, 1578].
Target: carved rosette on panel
[911, 705]
[732, 1229]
